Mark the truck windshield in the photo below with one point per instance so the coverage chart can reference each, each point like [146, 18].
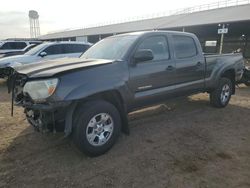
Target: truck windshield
[113, 48]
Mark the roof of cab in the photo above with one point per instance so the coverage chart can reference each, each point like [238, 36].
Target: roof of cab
[154, 31]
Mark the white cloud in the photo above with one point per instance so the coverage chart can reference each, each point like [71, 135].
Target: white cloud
[14, 24]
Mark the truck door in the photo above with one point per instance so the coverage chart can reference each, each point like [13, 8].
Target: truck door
[151, 79]
[190, 63]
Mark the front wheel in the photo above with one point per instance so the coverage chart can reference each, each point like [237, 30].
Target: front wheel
[220, 97]
[97, 126]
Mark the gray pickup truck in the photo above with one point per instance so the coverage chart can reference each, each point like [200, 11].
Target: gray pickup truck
[89, 97]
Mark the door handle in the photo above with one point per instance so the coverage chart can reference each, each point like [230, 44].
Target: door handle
[170, 68]
[199, 64]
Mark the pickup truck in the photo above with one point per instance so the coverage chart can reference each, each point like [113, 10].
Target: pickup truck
[89, 97]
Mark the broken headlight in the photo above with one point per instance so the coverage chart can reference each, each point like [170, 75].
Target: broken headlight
[41, 89]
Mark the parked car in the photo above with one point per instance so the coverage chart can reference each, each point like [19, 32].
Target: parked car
[18, 52]
[12, 46]
[91, 96]
[45, 51]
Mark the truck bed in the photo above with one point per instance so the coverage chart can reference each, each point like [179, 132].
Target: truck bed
[215, 62]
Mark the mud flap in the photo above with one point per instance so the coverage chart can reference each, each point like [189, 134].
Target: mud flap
[125, 125]
[124, 119]
[69, 119]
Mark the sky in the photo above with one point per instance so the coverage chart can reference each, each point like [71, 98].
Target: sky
[58, 15]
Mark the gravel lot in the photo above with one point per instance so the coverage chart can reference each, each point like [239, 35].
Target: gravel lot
[183, 143]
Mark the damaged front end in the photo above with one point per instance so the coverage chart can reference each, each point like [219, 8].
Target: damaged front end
[5, 72]
[43, 114]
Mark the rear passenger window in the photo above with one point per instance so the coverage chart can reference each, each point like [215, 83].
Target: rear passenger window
[74, 48]
[5, 46]
[158, 45]
[184, 47]
[54, 50]
[19, 45]
[13, 45]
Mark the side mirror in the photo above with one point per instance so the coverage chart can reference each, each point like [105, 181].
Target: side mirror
[43, 54]
[143, 55]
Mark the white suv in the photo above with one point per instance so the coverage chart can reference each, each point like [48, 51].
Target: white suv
[44, 51]
[12, 46]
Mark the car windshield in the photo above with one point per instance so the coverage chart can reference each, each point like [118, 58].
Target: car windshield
[112, 48]
[36, 49]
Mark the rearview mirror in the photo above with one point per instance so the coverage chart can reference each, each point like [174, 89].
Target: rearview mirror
[143, 55]
[43, 54]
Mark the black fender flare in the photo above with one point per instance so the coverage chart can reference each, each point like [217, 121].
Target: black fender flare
[70, 114]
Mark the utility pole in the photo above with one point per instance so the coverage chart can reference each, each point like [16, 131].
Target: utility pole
[222, 39]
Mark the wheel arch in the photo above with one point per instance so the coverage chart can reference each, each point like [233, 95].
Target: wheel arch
[230, 74]
[112, 96]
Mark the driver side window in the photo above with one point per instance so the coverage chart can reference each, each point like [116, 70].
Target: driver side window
[158, 45]
[53, 50]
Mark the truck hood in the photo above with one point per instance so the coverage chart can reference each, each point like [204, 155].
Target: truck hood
[52, 67]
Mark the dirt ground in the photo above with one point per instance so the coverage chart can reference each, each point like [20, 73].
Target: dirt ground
[184, 143]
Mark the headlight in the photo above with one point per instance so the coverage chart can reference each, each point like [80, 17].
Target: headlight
[41, 89]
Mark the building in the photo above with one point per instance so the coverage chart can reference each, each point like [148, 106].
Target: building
[232, 17]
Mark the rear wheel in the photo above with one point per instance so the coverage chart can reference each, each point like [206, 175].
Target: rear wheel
[97, 126]
[220, 97]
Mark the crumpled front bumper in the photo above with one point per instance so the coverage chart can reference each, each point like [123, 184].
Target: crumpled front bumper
[46, 107]
[49, 116]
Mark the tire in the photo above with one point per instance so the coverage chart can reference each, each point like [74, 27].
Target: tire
[224, 88]
[90, 121]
